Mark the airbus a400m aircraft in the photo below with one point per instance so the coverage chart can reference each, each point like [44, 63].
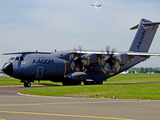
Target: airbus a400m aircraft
[96, 5]
[76, 66]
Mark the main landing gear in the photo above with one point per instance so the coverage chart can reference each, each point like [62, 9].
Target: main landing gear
[69, 83]
[93, 82]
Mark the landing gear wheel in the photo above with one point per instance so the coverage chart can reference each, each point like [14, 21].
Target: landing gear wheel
[70, 83]
[100, 82]
[87, 83]
[27, 84]
[93, 82]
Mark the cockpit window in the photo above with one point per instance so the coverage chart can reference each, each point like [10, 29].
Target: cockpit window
[21, 58]
[12, 58]
[17, 58]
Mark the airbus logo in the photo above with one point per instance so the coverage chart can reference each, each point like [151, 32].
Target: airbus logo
[43, 61]
[141, 39]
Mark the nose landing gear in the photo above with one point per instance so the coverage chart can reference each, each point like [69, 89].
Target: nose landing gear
[27, 84]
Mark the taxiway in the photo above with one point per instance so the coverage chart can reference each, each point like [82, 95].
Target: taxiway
[18, 107]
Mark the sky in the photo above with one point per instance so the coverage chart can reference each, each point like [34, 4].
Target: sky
[46, 25]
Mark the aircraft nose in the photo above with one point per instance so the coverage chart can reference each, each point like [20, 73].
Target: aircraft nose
[8, 68]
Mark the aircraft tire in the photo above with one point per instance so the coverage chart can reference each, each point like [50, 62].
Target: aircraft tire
[77, 83]
[70, 83]
[87, 83]
[93, 83]
[100, 82]
[27, 84]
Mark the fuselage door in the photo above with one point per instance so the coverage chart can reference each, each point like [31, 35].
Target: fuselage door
[39, 72]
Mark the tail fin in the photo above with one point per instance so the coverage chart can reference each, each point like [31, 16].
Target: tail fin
[144, 36]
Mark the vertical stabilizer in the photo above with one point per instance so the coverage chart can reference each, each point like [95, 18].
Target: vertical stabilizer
[144, 36]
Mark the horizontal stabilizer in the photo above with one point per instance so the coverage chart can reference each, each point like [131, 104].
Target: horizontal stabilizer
[150, 23]
[145, 24]
[135, 27]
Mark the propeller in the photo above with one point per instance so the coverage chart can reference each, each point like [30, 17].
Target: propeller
[109, 58]
[77, 60]
[109, 61]
[81, 60]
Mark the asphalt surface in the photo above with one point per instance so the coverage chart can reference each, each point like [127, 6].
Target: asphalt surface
[19, 107]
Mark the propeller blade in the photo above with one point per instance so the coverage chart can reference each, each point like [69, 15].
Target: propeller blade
[107, 49]
[80, 48]
[114, 50]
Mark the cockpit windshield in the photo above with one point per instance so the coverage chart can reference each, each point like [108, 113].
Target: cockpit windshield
[12, 58]
[16, 58]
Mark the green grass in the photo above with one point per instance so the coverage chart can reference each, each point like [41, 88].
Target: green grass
[122, 91]
[127, 78]
[131, 91]
[121, 78]
[8, 81]
[134, 78]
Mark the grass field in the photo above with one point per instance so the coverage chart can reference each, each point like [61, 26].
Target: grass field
[134, 78]
[127, 78]
[8, 81]
[131, 91]
[121, 91]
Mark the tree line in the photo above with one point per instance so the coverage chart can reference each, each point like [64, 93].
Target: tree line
[143, 70]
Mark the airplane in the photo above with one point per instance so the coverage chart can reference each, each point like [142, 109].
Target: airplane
[96, 5]
[75, 66]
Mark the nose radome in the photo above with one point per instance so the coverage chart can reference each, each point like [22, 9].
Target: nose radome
[8, 68]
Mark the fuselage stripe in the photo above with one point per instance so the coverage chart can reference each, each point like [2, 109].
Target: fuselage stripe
[88, 63]
[120, 59]
[111, 74]
[64, 68]
[72, 68]
[118, 69]
[85, 70]
[103, 70]
[99, 61]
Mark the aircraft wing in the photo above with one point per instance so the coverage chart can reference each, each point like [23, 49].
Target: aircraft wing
[96, 7]
[27, 53]
[129, 53]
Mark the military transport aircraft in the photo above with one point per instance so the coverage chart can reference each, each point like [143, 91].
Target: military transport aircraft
[76, 66]
[96, 5]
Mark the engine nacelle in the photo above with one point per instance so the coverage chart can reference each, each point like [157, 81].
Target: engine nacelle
[124, 59]
[90, 59]
[79, 76]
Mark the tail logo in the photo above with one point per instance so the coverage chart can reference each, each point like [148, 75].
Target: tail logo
[141, 39]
